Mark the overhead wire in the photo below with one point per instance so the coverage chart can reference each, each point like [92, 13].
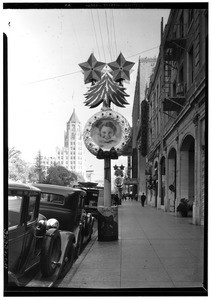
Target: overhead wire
[67, 74]
[76, 36]
[92, 36]
[95, 34]
[114, 107]
[114, 32]
[55, 77]
[111, 35]
[142, 52]
[101, 36]
[109, 47]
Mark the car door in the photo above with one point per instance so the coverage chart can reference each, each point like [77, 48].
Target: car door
[29, 256]
[16, 230]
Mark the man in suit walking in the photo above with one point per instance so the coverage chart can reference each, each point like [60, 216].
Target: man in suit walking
[143, 199]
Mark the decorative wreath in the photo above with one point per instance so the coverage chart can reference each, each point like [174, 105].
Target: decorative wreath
[116, 118]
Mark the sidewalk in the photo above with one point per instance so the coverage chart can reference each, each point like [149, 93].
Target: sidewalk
[155, 250]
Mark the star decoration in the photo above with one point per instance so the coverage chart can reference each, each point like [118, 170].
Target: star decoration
[92, 69]
[121, 68]
[105, 91]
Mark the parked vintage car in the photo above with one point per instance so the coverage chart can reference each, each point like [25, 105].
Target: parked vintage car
[66, 204]
[32, 240]
[93, 198]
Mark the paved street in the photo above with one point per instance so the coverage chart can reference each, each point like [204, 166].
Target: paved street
[155, 249]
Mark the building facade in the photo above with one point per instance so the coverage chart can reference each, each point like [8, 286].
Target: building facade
[47, 162]
[71, 155]
[176, 107]
[145, 69]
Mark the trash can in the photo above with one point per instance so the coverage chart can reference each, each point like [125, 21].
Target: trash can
[107, 223]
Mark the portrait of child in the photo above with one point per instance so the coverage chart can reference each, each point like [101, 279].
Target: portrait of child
[106, 134]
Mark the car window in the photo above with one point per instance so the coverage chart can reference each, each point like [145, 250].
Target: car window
[31, 208]
[82, 201]
[14, 210]
[92, 197]
[52, 198]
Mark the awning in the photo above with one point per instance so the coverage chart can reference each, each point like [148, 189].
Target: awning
[173, 103]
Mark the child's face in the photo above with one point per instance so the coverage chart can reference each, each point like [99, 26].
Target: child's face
[106, 133]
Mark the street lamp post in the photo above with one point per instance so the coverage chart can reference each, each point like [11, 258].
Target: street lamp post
[107, 133]
[107, 182]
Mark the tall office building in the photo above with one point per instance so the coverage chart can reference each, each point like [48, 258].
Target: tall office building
[47, 162]
[145, 70]
[71, 155]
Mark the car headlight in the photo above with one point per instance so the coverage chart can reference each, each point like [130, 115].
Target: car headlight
[53, 223]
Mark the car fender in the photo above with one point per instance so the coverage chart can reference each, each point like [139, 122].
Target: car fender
[66, 236]
[50, 232]
[89, 217]
[89, 224]
[93, 221]
[12, 279]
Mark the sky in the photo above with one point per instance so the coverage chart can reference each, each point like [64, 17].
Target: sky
[45, 82]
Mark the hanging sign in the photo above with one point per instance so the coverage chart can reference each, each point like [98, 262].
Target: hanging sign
[105, 130]
[118, 181]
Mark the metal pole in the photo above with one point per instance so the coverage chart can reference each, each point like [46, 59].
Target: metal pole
[107, 182]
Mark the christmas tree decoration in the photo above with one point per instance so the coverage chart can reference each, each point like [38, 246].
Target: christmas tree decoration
[121, 68]
[106, 91]
[92, 69]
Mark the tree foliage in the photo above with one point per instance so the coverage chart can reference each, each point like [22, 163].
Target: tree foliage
[18, 168]
[39, 169]
[59, 175]
[79, 177]
[13, 153]
[23, 172]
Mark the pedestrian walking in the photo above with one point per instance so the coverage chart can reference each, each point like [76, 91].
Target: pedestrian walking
[143, 199]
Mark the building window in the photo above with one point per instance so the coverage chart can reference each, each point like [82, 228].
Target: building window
[181, 26]
[190, 66]
[190, 16]
[181, 78]
[174, 89]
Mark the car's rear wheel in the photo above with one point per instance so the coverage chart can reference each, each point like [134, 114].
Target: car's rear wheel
[50, 254]
[68, 259]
